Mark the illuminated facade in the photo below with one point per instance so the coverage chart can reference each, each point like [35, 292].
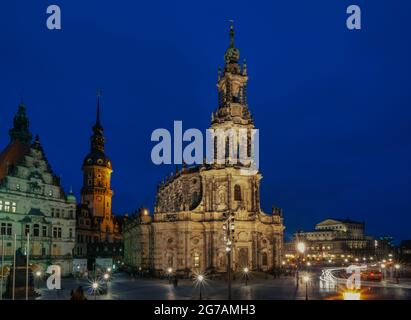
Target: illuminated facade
[186, 231]
[99, 231]
[337, 239]
[33, 202]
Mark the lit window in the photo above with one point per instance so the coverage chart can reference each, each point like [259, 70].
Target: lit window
[196, 260]
[7, 206]
[13, 207]
[1, 205]
[17, 187]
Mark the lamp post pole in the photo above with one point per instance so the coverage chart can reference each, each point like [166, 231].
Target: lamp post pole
[228, 226]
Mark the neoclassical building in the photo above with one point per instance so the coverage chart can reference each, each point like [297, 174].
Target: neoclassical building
[186, 232]
[33, 202]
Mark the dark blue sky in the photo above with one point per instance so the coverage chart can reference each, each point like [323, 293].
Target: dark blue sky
[333, 106]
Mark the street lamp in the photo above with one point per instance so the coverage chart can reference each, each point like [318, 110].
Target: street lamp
[306, 279]
[229, 229]
[246, 275]
[397, 273]
[95, 287]
[169, 271]
[38, 275]
[109, 269]
[106, 276]
[200, 279]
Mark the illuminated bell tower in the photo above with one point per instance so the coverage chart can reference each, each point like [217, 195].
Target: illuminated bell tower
[97, 169]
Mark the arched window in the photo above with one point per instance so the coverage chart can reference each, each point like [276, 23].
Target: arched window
[227, 147]
[237, 193]
[215, 148]
[264, 259]
[36, 230]
[196, 260]
[249, 144]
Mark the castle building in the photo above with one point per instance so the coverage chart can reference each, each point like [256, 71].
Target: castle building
[186, 231]
[337, 239]
[99, 231]
[33, 202]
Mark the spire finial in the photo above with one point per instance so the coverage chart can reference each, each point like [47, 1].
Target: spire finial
[98, 107]
[231, 33]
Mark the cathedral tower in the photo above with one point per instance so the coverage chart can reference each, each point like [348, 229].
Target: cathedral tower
[97, 169]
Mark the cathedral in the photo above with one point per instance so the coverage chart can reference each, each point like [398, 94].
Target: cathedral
[33, 203]
[187, 232]
[99, 231]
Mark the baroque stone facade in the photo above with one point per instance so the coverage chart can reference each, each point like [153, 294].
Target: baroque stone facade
[32, 202]
[186, 231]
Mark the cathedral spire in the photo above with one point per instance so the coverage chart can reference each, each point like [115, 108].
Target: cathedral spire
[97, 139]
[232, 34]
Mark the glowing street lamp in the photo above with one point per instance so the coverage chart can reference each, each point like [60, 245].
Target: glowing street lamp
[109, 269]
[169, 271]
[397, 272]
[306, 279]
[200, 279]
[38, 275]
[95, 288]
[246, 275]
[106, 276]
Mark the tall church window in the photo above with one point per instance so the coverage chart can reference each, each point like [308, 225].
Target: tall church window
[227, 147]
[36, 230]
[264, 259]
[237, 193]
[215, 147]
[196, 260]
[249, 144]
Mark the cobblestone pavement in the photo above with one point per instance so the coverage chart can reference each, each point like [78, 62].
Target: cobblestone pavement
[124, 287]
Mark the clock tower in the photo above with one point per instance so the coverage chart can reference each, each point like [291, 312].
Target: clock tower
[96, 192]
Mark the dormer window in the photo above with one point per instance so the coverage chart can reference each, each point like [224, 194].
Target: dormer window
[18, 187]
[50, 193]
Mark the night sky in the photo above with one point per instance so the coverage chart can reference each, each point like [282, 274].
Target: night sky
[333, 106]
